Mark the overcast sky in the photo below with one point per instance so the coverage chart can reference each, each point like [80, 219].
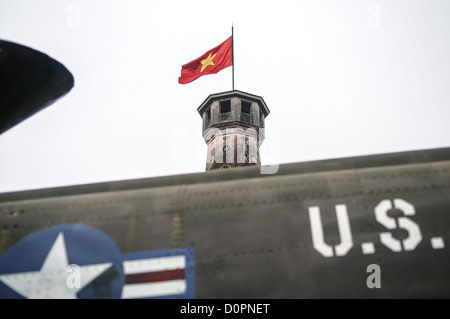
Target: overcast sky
[341, 78]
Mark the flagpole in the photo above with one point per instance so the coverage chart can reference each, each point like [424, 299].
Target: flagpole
[232, 52]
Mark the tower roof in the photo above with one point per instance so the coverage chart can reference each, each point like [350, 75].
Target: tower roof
[235, 93]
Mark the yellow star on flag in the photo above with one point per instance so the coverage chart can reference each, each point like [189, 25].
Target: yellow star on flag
[207, 61]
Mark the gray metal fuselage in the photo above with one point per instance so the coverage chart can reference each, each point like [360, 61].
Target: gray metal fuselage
[310, 230]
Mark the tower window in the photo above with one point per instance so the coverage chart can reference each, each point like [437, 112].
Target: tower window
[245, 107]
[225, 106]
[208, 114]
[226, 148]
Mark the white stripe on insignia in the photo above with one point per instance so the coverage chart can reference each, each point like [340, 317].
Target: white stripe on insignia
[157, 288]
[154, 264]
[172, 287]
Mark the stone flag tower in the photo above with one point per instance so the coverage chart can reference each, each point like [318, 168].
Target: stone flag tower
[233, 129]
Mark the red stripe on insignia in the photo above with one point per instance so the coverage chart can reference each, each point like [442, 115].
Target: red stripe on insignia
[154, 276]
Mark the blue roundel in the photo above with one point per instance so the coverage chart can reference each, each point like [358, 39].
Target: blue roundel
[64, 261]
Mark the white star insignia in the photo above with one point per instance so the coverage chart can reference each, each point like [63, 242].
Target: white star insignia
[53, 280]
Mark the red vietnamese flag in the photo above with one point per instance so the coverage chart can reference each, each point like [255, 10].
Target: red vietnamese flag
[211, 62]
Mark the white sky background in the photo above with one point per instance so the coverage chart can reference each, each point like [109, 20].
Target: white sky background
[341, 78]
